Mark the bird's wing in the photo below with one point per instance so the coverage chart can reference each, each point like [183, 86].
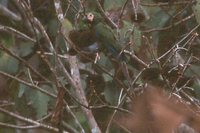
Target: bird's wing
[106, 37]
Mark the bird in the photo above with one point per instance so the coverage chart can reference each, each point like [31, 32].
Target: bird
[97, 36]
[104, 35]
[109, 44]
[94, 36]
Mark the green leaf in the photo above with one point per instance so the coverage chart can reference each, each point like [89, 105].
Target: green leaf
[8, 64]
[4, 2]
[137, 39]
[36, 99]
[62, 80]
[197, 88]
[196, 9]
[111, 93]
[111, 4]
[21, 90]
[105, 62]
[53, 27]
[67, 25]
[159, 20]
[25, 48]
[40, 103]
[7, 39]
[195, 69]
[107, 77]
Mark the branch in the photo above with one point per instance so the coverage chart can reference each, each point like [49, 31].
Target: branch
[39, 124]
[168, 4]
[16, 32]
[170, 26]
[107, 19]
[23, 61]
[18, 127]
[5, 11]
[28, 84]
[75, 78]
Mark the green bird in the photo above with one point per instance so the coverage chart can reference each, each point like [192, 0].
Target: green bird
[108, 42]
[104, 35]
[95, 36]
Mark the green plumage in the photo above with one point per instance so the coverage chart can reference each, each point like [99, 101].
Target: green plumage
[107, 40]
[94, 34]
[104, 34]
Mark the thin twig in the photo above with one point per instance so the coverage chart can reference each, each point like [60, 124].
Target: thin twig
[23, 61]
[28, 84]
[8, 13]
[167, 3]
[48, 127]
[107, 19]
[17, 33]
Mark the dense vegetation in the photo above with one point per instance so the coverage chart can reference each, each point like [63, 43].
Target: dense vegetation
[110, 66]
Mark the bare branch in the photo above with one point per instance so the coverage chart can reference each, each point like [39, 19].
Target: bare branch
[5, 11]
[39, 124]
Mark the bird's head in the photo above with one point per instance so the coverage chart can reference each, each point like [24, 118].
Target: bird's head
[93, 18]
[90, 17]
